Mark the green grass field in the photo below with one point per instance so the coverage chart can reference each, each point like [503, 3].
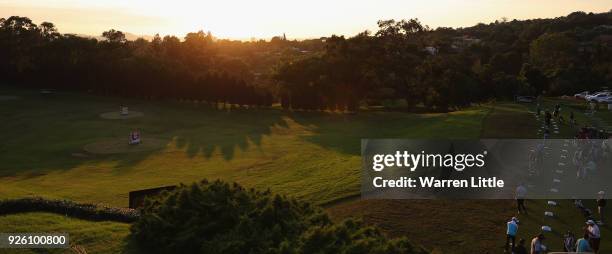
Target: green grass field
[312, 156]
[95, 237]
[471, 226]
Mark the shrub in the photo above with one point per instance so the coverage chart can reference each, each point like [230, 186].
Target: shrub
[351, 236]
[68, 208]
[217, 217]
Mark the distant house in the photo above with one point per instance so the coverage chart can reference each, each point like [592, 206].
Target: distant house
[463, 42]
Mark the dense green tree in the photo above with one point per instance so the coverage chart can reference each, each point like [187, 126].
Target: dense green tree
[553, 52]
[217, 217]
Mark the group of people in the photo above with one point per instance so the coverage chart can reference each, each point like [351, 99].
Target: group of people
[589, 242]
[536, 246]
[556, 114]
[587, 213]
[592, 147]
[589, 154]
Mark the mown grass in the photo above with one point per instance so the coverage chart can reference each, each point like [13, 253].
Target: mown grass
[478, 226]
[94, 237]
[312, 156]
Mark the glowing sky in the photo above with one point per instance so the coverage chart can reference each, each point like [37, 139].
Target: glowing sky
[243, 19]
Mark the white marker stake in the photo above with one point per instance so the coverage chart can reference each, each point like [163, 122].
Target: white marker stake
[552, 203]
[549, 214]
[546, 228]
[554, 190]
[559, 171]
[556, 181]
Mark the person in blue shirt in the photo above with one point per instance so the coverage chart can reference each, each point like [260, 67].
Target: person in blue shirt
[511, 230]
[582, 245]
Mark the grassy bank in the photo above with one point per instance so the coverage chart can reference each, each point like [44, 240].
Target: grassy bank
[313, 156]
[94, 237]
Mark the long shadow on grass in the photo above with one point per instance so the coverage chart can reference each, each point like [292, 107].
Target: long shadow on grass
[42, 134]
[227, 131]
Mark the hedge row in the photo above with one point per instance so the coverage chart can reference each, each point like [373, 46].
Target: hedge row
[68, 208]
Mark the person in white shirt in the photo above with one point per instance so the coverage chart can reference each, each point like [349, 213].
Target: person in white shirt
[536, 244]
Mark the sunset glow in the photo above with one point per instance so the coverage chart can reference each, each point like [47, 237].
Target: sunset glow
[262, 19]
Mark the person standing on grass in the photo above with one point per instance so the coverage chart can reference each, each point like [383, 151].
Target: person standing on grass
[520, 248]
[594, 235]
[568, 242]
[511, 230]
[582, 245]
[547, 117]
[577, 161]
[521, 192]
[601, 203]
[536, 244]
[571, 118]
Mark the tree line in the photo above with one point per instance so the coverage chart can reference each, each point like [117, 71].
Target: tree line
[38, 56]
[403, 65]
[443, 69]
